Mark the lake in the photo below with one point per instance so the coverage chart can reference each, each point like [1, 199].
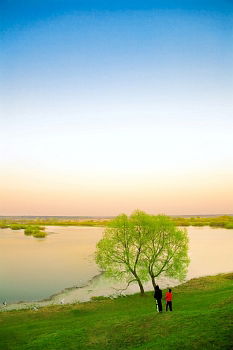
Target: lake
[33, 269]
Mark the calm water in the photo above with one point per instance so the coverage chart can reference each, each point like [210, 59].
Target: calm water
[33, 269]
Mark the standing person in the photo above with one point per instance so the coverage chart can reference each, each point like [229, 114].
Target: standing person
[168, 298]
[158, 298]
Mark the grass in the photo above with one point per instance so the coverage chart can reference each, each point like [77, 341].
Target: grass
[202, 319]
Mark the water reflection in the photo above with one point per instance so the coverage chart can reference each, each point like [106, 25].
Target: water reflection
[33, 269]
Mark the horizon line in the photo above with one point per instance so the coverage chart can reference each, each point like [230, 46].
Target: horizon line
[109, 216]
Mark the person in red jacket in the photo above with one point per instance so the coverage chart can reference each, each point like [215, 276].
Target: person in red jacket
[168, 298]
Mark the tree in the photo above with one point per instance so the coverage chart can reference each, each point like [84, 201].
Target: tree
[166, 249]
[143, 247]
[118, 252]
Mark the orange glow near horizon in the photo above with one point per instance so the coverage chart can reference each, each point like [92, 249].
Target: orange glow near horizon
[177, 195]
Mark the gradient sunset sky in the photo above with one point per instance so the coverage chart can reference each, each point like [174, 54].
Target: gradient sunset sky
[109, 106]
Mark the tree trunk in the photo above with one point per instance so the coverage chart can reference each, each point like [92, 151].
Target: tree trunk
[153, 281]
[141, 287]
[134, 273]
[139, 282]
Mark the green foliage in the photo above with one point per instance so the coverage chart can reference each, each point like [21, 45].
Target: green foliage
[35, 231]
[225, 221]
[40, 234]
[32, 227]
[16, 226]
[53, 222]
[202, 319]
[166, 249]
[229, 225]
[29, 230]
[143, 247]
[119, 250]
[3, 224]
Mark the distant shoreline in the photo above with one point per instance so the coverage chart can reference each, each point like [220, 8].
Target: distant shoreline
[99, 217]
[18, 222]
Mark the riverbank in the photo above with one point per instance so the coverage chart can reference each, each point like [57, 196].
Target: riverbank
[96, 287]
[17, 223]
[202, 319]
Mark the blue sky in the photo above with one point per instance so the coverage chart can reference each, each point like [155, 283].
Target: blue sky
[99, 93]
[31, 10]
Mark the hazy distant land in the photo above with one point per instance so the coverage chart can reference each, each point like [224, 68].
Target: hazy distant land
[22, 222]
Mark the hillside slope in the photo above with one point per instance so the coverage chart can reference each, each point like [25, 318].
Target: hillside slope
[202, 319]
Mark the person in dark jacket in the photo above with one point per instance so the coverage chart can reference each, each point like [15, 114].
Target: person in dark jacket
[158, 298]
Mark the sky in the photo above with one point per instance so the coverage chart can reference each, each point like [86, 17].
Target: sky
[109, 106]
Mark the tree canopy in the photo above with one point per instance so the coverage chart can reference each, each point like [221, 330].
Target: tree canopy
[143, 247]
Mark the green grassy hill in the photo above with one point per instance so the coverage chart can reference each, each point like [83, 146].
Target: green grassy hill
[202, 319]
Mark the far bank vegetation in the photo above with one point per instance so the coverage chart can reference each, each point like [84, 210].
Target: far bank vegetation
[35, 226]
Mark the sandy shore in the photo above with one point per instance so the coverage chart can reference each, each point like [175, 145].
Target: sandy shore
[97, 286]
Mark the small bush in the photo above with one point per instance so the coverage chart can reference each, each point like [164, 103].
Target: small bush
[35, 231]
[40, 234]
[16, 226]
[3, 225]
[229, 225]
